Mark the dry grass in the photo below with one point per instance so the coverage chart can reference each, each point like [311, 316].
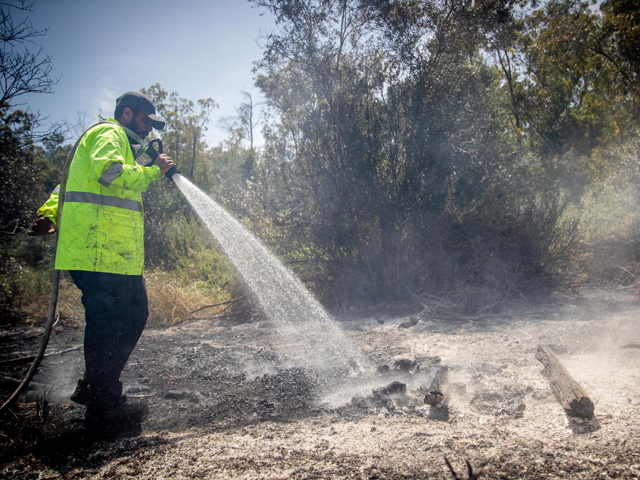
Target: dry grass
[171, 299]
[34, 308]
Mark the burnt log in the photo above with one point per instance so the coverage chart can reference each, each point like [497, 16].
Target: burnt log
[567, 391]
[438, 395]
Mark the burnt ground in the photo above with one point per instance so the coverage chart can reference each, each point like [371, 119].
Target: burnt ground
[228, 401]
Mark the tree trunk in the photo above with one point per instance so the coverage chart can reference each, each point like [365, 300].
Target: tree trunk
[568, 392]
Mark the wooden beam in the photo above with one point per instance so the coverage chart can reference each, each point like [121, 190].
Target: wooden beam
[567, 391]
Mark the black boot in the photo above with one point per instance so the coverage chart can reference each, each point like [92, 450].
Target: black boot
[81, 394]
[85, 393]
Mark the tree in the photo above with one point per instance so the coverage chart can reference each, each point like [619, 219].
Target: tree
[621, 23]
[242, 127]
[382, 134]
[569, 90]
[196, 124]
[22, 71]
[186, 123]
[19, 182]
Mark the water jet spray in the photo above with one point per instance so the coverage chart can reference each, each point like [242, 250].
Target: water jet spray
[317, 340]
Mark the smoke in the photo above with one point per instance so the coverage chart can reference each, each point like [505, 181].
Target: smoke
[57, 378]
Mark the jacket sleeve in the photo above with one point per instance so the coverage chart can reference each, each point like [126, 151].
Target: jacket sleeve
[50, 207]
[109, 151]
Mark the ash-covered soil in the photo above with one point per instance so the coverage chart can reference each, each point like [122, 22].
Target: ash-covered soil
[232, 401]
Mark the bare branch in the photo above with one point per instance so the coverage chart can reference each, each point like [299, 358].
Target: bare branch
[217, 304]
[21, 70]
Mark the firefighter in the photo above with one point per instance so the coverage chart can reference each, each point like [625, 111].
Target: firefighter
[101, 245]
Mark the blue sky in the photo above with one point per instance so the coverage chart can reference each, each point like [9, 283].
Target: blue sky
[100, 49]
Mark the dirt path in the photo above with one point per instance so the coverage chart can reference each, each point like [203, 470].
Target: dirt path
[228, 401]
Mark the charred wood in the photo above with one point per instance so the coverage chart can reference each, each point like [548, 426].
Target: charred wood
[439, 389]
[567, 391]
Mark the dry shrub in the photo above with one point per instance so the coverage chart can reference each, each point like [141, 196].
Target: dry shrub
[450, 267]
[614, 262]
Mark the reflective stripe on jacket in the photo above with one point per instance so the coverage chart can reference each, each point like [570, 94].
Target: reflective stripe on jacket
[102, 228]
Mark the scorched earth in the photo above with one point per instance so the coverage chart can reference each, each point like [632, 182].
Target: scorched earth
[230, 400]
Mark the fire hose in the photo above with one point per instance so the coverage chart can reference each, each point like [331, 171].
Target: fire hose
[153, 149]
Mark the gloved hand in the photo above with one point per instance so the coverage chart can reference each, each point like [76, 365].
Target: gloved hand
[42, 226]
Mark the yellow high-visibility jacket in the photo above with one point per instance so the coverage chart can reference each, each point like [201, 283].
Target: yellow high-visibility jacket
[101, 227]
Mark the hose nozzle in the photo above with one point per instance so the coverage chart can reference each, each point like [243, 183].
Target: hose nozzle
[171, 172]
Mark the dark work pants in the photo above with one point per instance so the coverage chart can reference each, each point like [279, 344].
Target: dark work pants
[116, 311]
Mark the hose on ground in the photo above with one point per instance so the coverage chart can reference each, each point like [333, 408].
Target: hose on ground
[55, 283]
